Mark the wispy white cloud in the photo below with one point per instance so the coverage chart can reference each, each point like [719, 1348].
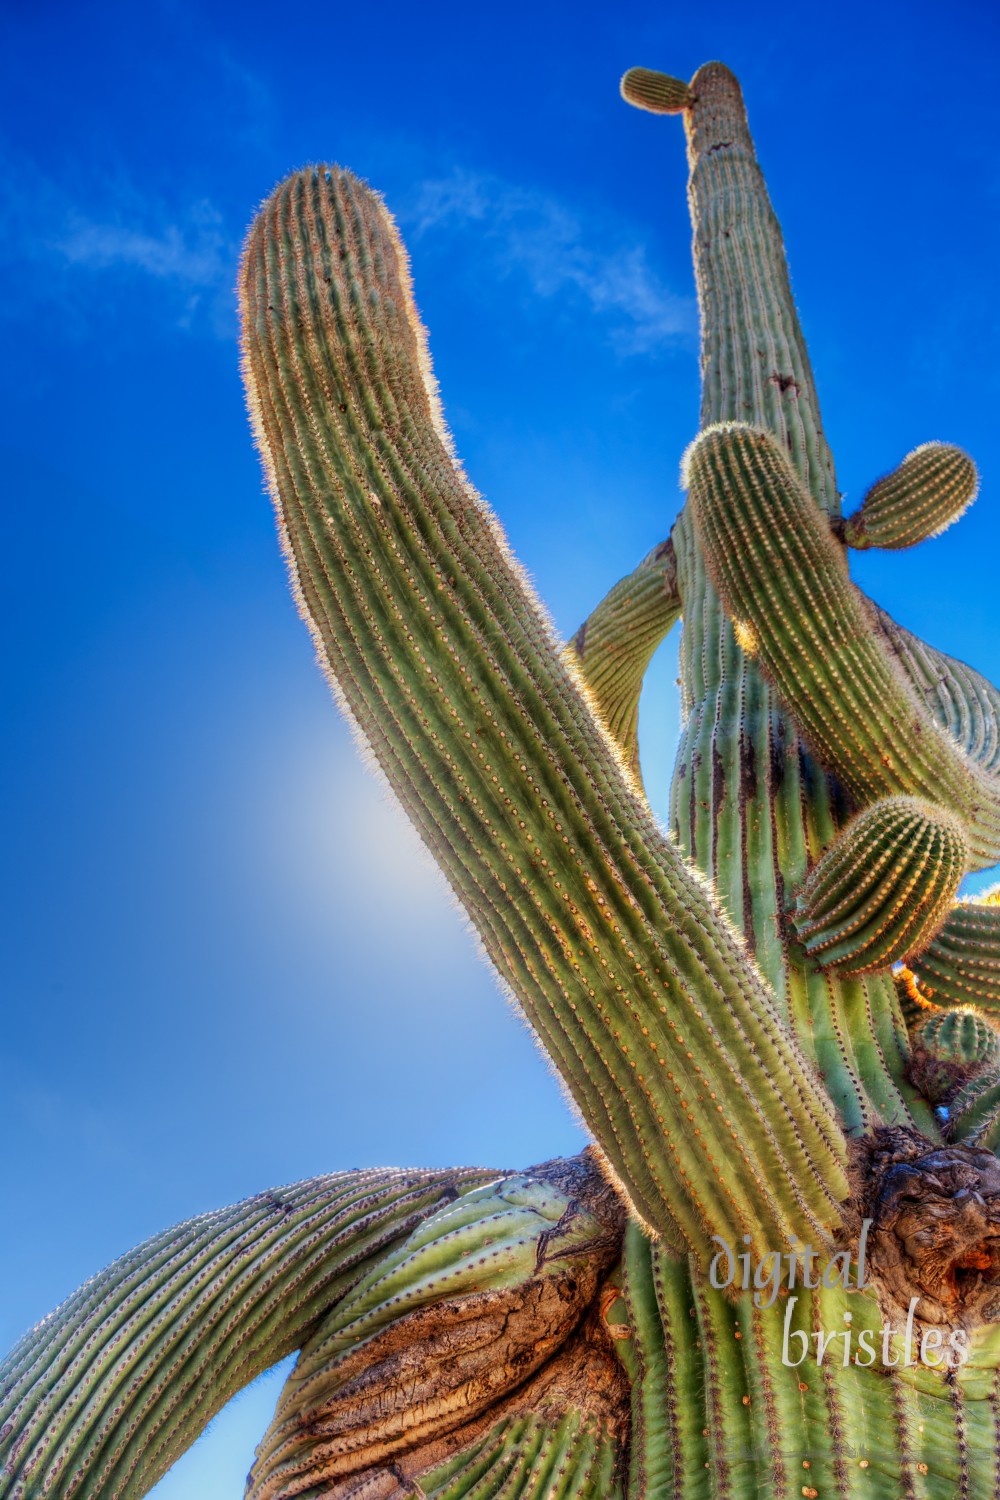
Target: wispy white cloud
[534, 235]
[194, 253]
[50, 231]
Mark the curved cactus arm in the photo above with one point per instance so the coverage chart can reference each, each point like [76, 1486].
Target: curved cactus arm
[962, 700]
[883, 888]
[656, 92]
[961, 965]
[784, 582]
[615, 644]
[661, 1027]
[109, 1391]
[442, 1332]
[927, 493]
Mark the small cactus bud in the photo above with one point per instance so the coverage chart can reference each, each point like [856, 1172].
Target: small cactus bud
[656, 92]
[950, 1049]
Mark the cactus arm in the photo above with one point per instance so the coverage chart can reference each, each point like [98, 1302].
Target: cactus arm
[962, 700]
[952, 1048]
[961, 965]
[615, 644]
[782, 577]
[116, 1384]
[614, 946]
[883, 888]
[927, 493]
[655, 92]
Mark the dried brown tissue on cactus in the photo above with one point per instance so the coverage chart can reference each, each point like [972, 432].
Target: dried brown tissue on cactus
[783, 1248]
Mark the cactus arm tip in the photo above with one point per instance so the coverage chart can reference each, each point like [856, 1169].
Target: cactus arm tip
[657, 93]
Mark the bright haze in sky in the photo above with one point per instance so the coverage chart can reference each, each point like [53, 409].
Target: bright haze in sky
[227, 964]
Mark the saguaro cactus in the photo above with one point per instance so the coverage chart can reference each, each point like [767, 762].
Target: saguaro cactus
[777, 1271]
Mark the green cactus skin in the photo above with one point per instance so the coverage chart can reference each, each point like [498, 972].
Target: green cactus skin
[615, 644]
[961, 1036]
[931, 489]
[723, 1415]
[103, 1397]
[508, 1270]
[784, 579]
[656, 92]
[720, 1068]
[749, 804]
[965, 704]
[974, 1110]
[632, 976]
[951, 1049]
[961, 966]
[883, 888]
[565, 1458]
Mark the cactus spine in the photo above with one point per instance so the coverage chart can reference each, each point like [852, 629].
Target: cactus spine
[835, 778]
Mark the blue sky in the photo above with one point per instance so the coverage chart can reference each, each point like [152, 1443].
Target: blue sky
[226, 963]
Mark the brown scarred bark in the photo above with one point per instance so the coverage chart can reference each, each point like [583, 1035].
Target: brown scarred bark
[584, 1377]
[935, 1226]
[435, 1379]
